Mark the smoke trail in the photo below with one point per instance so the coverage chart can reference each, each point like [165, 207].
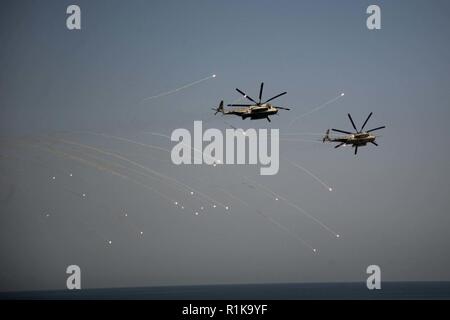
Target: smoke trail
[226, 122]
[310, 174]
[276, 223]
[176, 182]
[179, 183]
[78, 159]
[113, 164]
[81, 195]
[178, 89]
[315, 109]
[302, 133]
[123, 176]
[128, 140]
[162, 176]
[137, 142]
[75, 219]
[301, 140]
[99, 167]
[293, 205]
[139, 173]
[293, 164]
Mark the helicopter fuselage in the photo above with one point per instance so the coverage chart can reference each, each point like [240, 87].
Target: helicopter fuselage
[359, 139]
[254, 112]
[356, 139]
[259, 112]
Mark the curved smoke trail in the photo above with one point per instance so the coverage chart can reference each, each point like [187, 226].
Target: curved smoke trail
[162, 94]
[314, 110]
[309, 173]
[162, 176]
[293, 205]
[276, 223]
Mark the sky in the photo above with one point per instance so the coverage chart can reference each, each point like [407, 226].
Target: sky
[60, 90]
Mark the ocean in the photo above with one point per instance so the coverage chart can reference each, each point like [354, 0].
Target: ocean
[287, 291]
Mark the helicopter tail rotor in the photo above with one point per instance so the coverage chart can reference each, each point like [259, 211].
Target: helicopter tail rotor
[327, 136]
[219, 108]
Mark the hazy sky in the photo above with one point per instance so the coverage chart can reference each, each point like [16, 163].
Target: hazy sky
[390, 203]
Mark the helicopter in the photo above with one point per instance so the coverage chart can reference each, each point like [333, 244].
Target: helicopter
[254, 111]
[355, 139]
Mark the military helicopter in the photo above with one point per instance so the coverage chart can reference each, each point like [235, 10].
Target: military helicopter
[254, 111]
[357, 139]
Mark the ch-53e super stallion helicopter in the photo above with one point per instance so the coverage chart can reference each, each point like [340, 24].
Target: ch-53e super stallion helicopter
[257, 110]
[357, 139]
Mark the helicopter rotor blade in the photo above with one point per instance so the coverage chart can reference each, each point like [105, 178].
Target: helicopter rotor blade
[379, 128]
[283, 108]
[245, 95]
[373, 142]
[339, 145]
[341, 131]
[239, 105]
[261, 91]
[351, 120]
[356, 150]
[277, 96]
[365, 122]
